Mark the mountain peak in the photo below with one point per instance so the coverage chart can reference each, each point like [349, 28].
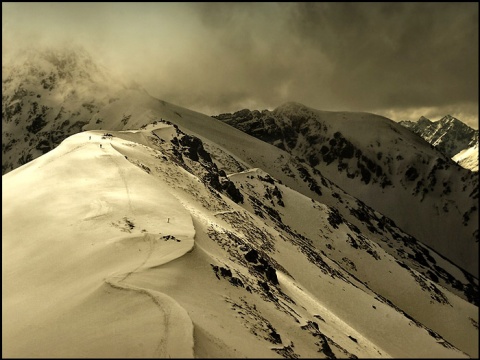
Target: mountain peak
[421, 124]
[449, 119]
[449, 134]
[69, 64]
[424, 120]
[291, 106]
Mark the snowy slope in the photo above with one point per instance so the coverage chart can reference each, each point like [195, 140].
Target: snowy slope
[384, 165]
[468, 158]
[435, 207]
[144, 247]
[67, 255]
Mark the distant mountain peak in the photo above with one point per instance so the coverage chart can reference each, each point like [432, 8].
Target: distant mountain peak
[69, 64]
[424, 120]
[449, 134]
[449, 119]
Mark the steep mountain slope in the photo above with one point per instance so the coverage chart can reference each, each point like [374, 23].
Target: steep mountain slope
[384, 165]
[145, 247]
[449, 135]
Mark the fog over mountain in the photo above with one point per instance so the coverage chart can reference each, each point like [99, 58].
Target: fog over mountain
[400, 60]
[134, 227]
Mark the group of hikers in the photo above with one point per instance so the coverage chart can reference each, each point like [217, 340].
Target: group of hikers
[90, 138]
[103, 137]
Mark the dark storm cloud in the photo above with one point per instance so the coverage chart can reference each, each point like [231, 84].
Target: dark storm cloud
[251, 57]
[396, 54]
[350, 56]
[389, 58]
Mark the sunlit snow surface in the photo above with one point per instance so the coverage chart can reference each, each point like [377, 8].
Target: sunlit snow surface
[122, 251]
[468, 158]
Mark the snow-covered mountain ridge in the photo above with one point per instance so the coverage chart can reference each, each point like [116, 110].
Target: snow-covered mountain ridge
[165, 221]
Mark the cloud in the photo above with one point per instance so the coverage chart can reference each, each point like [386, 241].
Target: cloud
[402, 54]
[466, 112]
[219, 57]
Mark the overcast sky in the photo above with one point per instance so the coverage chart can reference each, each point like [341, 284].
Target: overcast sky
[400, 60]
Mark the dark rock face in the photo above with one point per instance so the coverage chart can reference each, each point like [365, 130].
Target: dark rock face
[263, 267]
[411, 173]
[227, 274]
[334, 218]
[312, 183]
[277, 339]
[252, 256]
[232, 192]
[194, 148]
[189, 147]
